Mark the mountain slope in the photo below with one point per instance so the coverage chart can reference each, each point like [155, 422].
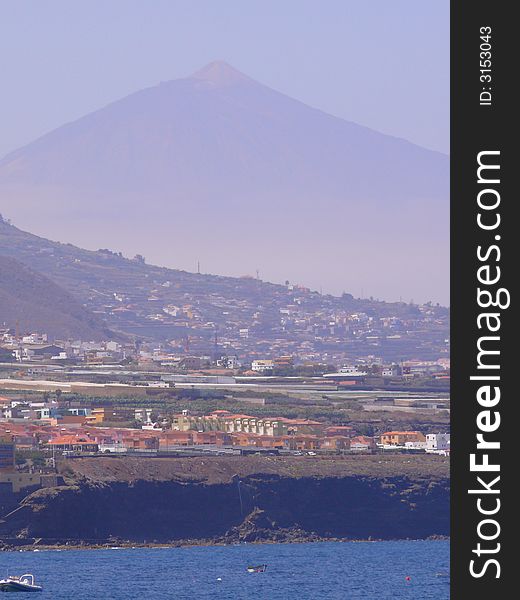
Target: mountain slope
[220, 168]
[250, 316]
[35, 303]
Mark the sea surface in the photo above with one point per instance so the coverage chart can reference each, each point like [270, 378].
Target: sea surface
[417, 570]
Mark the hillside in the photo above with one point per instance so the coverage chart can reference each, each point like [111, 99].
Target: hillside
[219, 168]
[167, 304]
[35, 303]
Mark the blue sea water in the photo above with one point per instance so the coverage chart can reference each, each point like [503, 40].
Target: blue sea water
[368, 570]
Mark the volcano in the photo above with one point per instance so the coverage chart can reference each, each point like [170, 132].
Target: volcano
[220, 170]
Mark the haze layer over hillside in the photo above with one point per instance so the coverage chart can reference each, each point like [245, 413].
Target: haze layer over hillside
[220, 169]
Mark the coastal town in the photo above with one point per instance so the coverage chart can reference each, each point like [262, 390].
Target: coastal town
[33, 434]
[225, 353]
[37, 426]
[125, 385]
[64, 400]
[107, 356]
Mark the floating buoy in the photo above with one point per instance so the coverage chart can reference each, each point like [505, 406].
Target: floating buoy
[219, 578]
[408, 578]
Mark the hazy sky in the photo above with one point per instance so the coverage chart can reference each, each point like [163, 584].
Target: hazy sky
[381, 63]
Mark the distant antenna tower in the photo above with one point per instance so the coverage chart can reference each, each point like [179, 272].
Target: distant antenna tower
[198, 267]
[258, 274]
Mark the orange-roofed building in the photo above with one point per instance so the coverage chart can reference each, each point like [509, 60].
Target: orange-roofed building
[335, 442]
[301, 442]
[362, 442]
[244, 439]
[172, 439]
[256, 440]
[399, 438]
[218, 438]
[137, 442]
[73, 443]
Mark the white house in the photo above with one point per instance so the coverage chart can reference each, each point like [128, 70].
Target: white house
[438, 442]
[415, 445]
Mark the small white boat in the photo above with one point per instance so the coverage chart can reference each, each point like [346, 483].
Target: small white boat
[257, 569]
[24, 583]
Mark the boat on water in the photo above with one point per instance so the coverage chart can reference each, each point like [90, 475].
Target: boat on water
[257, 569]
[23, 583]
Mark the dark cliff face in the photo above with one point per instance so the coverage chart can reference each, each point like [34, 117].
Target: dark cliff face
[254, 508]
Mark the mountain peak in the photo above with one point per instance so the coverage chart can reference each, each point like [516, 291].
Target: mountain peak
[217, 160]
[221, 73]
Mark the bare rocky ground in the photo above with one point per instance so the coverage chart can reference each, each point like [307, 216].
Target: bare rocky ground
[222, 469]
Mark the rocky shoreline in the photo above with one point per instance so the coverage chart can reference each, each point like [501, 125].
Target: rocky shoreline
[129, 545]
